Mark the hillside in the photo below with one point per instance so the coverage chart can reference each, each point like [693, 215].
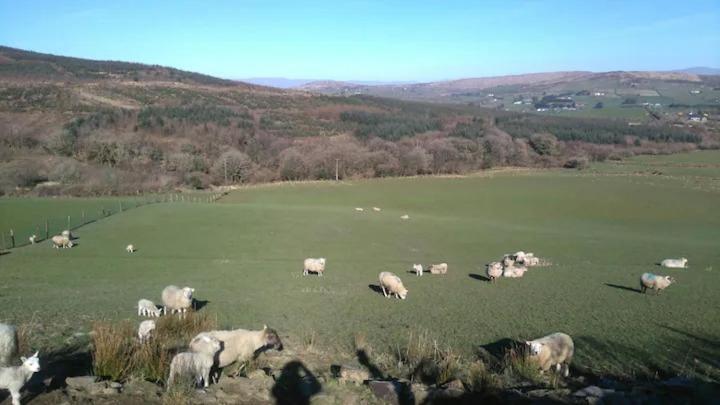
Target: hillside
[77, 126]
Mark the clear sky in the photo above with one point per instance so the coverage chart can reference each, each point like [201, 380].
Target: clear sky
[373, 40]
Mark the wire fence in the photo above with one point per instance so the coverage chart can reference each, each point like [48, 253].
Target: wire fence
[49, 226]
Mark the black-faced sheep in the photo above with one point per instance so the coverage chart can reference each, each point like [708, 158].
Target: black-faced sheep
[239, 344]
[177, 299]
[556, 350]
[654, 282]
[14, 378]
[195, 364]
[392, 285]
[314, 265]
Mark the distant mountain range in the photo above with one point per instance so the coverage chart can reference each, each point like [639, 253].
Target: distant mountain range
[701, 70]
[284, 83]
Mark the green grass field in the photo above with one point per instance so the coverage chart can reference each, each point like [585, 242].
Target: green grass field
[600, 228]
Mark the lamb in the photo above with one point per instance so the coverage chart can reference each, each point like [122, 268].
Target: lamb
[66, 233]
[680, 263]
[8, 343]
[239, 344]
[314, 265]
[14, 378]
[441, 268]
[148, 308]
[376, 209]
[494, 270]
[514, 271]
[130, 249]
[177, 299]
[358, 209]
[145, 329]
[553, 350]
[654, 282]
[390, 283]
[33, 239]
[59, 241]
[418, 268]
[406, 216]
[196, 364]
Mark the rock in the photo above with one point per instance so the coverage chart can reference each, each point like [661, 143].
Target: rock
[353, 375]
[679, 383]
[455, 385]
[141, 388]
[390, 391]
[80, 383]
[419, 392]
[592, 391]
[257, 374]
[539, 393]
[116, 385]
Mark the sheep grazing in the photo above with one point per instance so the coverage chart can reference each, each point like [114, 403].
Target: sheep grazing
[358, 209]
[66, 233]
[514, 271]
[519, 256]
[60, 241]
[145, 329]
[494, 270]
[680, 263]
[33, 239]
[508, 261]
[441, 268]
[314, 265]
[376, 209]
[239, 344]
[130, 249]
[195, 364]
[392, 285]
[8, 343]
[177, 299]
[531, 261]
[553, 350]
[406, 216]
[14, 378]
[418, 269]
[654, 282]
[148, 308]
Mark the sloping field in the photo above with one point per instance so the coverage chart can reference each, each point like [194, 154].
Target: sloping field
[244, 254]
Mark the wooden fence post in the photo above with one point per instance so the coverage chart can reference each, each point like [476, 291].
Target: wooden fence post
[47, 230]
[120, 206]
[83, 216]
[68, 227]
[12, 238]
[3, 240]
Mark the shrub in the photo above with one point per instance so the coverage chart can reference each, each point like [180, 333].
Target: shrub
[544, 144]
[579, 163]
[232, 166]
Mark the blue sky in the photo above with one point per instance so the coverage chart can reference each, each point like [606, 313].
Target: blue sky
[373, 40]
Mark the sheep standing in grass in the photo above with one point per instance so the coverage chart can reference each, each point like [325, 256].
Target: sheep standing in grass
[531, 261]
[60, 241]
[239, 344]
[392, 285]
[441, 268]
[508, 261]
[32, 239]
[418, 268]
[8, 343]
[406, 216]
[148, 308]
[680, 263]
[556, 350]
[654, 282]
[514, 271]
[519, 256]
[314, 265]
[177, 299]
[197, 365]
[130, 249]
[494, 270]
[14, 378]
[376, 209]
[145, 329]
[358, 209]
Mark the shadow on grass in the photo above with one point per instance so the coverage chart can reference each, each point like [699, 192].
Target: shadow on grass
[479, 277]
[376, 288]
[296, 385]
[199, 304]
[622, 287]
[374, 370]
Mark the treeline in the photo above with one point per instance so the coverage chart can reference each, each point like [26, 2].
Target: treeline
[390, 126]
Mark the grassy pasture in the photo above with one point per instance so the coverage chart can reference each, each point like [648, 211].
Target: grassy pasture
[600, 229]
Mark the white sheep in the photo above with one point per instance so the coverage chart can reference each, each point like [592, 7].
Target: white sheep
[376, 209]
[33, 239]
[531, 261]
[239, 344]
[556, 350]
[8, 343]
[66, 233]
[314, 265]
[440, 268]
[494, 270]
[514, 271]
[654, 282]
[418, 268]
[519, 256]
[130, 248]
[145, 329]
[358, 209]
[392, 285]
[406, 216]
[14, 378]
[680, 263]
[195, 364]
[148, 308]
[177, 299]
[59, 241]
